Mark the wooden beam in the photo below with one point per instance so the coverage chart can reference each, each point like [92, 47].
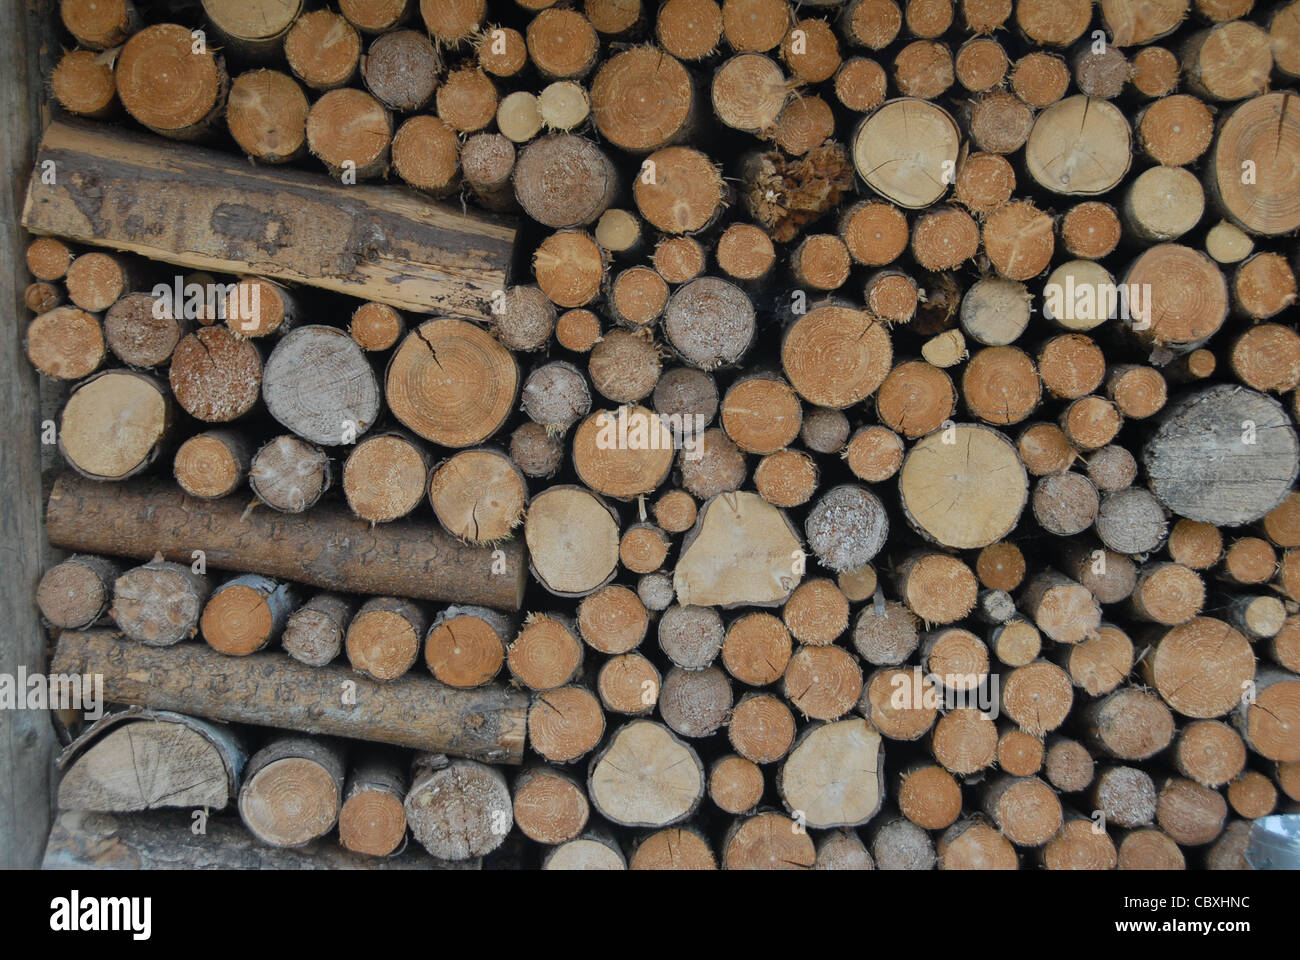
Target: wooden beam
[211, 211]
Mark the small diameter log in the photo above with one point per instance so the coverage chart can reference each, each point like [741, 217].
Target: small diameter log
[1018, 239]
[1065, 611]
[376, 326]
[466, 645]
[212, 464]
[279, 692]
[695, 703]
[562, 44]
[401, 69]
[372, 819]
[899, 844]
[1129, 724]
[292, 790]
[1209, 752]
[768, 841]
[159, 603]
[643, 548]
[843, 850]
[1200, 467]
[824, 683]
[964, 741]
[1098, 665]
[1131, 521]
[1259, 618]
[629, 684]
[642, 99]
[146, 760]
[621, 233]
[1190, 813]
[902, 703]
[858, 341]
[323, 50]
[980, 64]
[691, 636]
[267, 116]
[928, 795]
[1163, 203]
[906, 177]
[65, 343]
[314, 633]
[385, 477]
[1268, 723]
[999, 122]
[1052, 23]
[74, 594]
[749, 93]
[245, 614]
[95, 281]
[114, 424]
[1167, 593]
[426, 154]
[546, 653]
[762, 573]
[556, 396]
[1150, 849]
[995, 311]
[215, 376]
[668, 783]
[435, 408]
[383, 637]
[762, 728]
[460, 810]
[1079, 846]
[937, 587]
[570, 268]
[689, 29]
[915, 399]
[139, 519]
[48, 258]
[290, 475]
[1016, 642]
[1263, 286]
[735, 784]
[550, 805]
[966, 493]
[625, 367]
[923, 69]
[565, 724]
[1025, 809]
[564, 105]
[83, 83]
[1100, 73]
[99, 26]
[168, 87]
[885, 634]
[874, 454]
[974, 844]
[141, 333]
[787, 478]
[853, 750]
[761, 414]
[985, 181]
[1067, 765]
[756, 649]
[479, 495]
[486, 162]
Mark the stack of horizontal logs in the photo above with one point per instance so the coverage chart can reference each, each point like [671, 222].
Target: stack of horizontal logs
[700, 434]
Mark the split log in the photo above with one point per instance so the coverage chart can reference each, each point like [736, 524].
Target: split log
[224, 192]
[376, 326]
[279, 692]
[146, 760]
[139, 519]
[292, 790]
[77, 592]
[159, 603]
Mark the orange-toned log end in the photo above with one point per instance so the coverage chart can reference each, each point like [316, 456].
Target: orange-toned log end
[465, 651]
[930, 797]
[613, 620]
[965, 741]
[384, 478]
[83, 83]
[211, 465]
[874, 454]
[65, 343]
[1020, 754]
[1252, 795]
[237, 620]
[1210, 752]
[689, 29]
[811, 51]
[674, 848]
[1026, 810]
[638, 296]
[267, 115]
[1040, 79]
[372, 822]
[861, 84]
[1055, 23]
[545, 654]
[985, 16]
[376, 326]
[1068, 765]
[350, 131]
[1038, 697]
[323, 50]
[1019, 240]
[570, 268]
[787, 478]
[972, 844]
[98, 24]
[452, 21]
[767, 842]
[565, 724]
[549, 806]
[48, 258]
[679, 259]
[426, 154]
[735, 784]
[95, 281]
[478, 495]
[1155, 72]
[1090, 229]
[467, 100]
[985, 181]
[1150, 849]
[762, 728]
[1079, 846]
[629, 684]
[383, 640]
[641, 99]
[577, 330]
[907, 719]
[980, 64]
[924, 69]
[643, 548]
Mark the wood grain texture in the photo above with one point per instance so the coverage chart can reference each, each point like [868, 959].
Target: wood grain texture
[212, 211]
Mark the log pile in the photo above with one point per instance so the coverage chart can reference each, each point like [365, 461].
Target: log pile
[686, 435]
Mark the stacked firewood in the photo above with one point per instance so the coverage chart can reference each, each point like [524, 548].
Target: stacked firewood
[737, 434]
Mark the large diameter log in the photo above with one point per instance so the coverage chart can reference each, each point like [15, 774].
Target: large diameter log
[329, 549]
[165, 840]
[1225, 455]
[1249, 173]
[212, 211]
[486, 723]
